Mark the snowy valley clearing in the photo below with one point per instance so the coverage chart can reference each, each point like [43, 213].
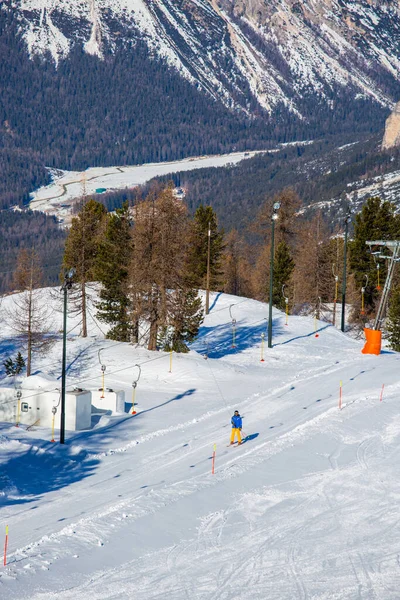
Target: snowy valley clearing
[306, 508]
[58, 197]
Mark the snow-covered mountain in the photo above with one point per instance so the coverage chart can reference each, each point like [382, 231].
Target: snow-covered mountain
[246, 53]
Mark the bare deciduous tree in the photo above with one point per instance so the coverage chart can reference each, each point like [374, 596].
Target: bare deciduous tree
[30, 316]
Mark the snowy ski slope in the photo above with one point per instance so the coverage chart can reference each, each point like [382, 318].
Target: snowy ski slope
[307, 508]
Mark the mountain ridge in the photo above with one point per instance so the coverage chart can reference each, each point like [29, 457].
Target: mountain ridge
[278, 49]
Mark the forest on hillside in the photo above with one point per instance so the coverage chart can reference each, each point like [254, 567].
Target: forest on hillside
[30, 230]
[129, 109]
[148, 262]
[317, 172]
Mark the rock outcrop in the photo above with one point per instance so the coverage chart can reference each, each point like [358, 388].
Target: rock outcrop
[392, 129]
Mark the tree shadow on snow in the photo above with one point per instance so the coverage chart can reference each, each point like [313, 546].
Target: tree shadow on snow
[306, 335]
[25, 477]
[177, 397]
[217, 341]
[217, 297]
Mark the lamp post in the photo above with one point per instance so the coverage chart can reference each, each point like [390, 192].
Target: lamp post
[275, 209]
[208, 270]
[66, 286]
[346, 231]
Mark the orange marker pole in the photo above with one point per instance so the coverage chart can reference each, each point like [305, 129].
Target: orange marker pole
[340, 396]
[381, 397]
[5, 546]
[213, 460]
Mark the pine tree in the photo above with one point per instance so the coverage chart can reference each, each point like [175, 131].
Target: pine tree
[204, 219]
[14, 368]
[30, 317]
[111, 269]
[81, 250]
[283, 269]
[393, 324]
[376, 221]
[19, 364]
[184, 319]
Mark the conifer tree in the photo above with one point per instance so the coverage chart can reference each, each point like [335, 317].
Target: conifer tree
[286, 228]
[204, 218]
[393, 324]
[29, 316]
[81, 249]
[14, 367]
[111, 269]
[376, 221]
[283, 269]
[184, 319]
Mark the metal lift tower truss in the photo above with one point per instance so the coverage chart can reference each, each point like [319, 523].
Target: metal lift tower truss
[394, 247]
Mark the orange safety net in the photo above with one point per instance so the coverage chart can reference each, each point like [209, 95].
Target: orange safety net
[373, 343]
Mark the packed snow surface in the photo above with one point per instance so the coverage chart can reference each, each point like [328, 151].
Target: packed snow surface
[306, 508]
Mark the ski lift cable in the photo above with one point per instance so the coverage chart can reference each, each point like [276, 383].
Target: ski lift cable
[218, 388]
[76, 383]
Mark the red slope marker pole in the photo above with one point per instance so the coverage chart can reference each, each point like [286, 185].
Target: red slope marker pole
[340, 396]
[381, 396]
[213, 460]
[5, 546]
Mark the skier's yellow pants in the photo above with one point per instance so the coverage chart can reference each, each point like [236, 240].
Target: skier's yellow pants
[237, 432]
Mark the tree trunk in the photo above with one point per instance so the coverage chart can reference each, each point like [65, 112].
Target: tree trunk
[135, 331]
[153, 335]
[153, 317]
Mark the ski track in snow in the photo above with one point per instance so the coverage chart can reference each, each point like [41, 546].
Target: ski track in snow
[306, 509]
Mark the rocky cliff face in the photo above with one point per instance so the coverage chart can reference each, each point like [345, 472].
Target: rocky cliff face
[392, 129]
[273, 52]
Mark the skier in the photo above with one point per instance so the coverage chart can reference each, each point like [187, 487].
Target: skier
[236, 427]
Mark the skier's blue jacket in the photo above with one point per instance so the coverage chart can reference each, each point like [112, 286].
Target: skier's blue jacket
[236, 422]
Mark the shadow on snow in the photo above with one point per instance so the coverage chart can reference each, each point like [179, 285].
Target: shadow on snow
[217, 341]
[43, 468]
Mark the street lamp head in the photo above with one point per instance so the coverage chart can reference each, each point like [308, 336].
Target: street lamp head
[277, 206]
[70, 273]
